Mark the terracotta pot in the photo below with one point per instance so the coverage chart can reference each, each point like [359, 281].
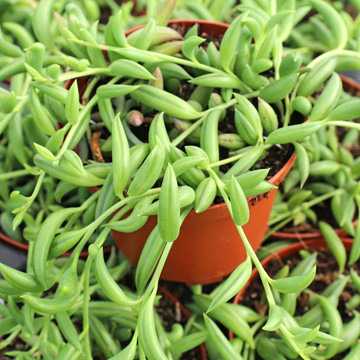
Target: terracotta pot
[167, 294]
[209, 246]
[287, 251]
[353, 88]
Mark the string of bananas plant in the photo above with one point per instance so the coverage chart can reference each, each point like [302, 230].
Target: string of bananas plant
[134, 85]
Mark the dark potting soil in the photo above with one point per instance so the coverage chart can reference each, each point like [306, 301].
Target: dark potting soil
[106, 12]
[327, 272]
[170, 311]
[275, 159]
[16, 345]
[216, 39]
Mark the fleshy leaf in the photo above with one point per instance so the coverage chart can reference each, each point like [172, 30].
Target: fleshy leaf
[294, 283]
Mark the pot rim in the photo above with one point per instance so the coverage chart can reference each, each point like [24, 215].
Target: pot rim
[185, 21]
[281, 235]
[13, 242]
[25, 247]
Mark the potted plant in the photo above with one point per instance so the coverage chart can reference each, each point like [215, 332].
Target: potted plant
[137, 96]
[331, 289]
[132, 182]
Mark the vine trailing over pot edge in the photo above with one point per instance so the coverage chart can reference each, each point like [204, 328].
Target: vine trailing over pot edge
[287, 87]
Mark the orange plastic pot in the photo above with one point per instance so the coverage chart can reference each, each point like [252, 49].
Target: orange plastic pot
[289, 250]
[209, 246]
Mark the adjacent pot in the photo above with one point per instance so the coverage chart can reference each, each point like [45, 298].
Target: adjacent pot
[286, 251]
[290, 250]
[209, 246]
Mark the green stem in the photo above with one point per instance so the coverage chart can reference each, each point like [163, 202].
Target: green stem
[10, 338]
[263, 275]
[294, 92]
[39, 183]
[92, 71]
[149, 54]
[91, 229]
[155, 279]
[159, 268]
[227, 161]
[233, 158]
[6, 120]
[290, 339]
[189, 324]
[347, 124]
[14, 174]
[277, 59]
[29, 262]
[277, 227]
[86, 298]
[41, 337]
[257, 326]
[198, 122]
[74, 129]
[85, 97]
[187, 132]
[33, 196]
[72, 132]
[249, 250]
[97, 222]
[288, 111]
[307, 205]
[332, 53]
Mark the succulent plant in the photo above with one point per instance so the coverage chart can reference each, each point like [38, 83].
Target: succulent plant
[180, 118]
